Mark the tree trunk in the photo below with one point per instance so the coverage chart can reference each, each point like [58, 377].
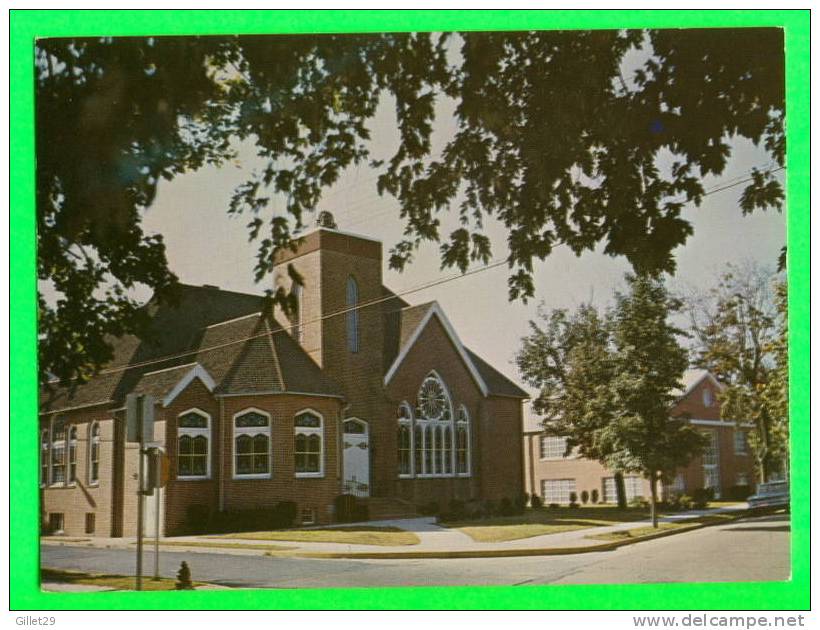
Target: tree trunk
[620, 490]
[653, 498]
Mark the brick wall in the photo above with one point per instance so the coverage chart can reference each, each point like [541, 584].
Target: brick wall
[83, 496]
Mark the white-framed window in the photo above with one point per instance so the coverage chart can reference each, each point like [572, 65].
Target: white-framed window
[557, 490]
[434, 429]
[193, 445]
[708, 399]
[58, 451]
[297, 314]
[72, 454]
[352, 315]
[741, 442]
[711, 462]
[252, 444]
[94, 454]
[462, 442]
[307, 448]
[633, 488]
[44, 454]
[553, 447]
[741, 479]
[404, 440]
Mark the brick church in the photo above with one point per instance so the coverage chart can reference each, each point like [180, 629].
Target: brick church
[354, 392]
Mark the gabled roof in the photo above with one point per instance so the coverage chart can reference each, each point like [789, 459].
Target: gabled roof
[403, 327]
[223, 332]
[692, 378]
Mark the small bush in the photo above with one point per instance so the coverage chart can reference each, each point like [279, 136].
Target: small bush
[520, 503]
[702, 496]
[430, 508]
[505, 507]
[594, 496]
[554, 506]
[285, 513]
[739, 493]
[197, 519]
[584, 497]
[536, 502]
[456, 511]
[573, 500]
[344, 506]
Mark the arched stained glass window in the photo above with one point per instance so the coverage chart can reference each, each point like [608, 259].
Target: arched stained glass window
[193, 445]
[252, 444]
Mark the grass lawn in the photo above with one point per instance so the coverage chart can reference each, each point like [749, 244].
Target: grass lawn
[118, 582]
[544, 521]
[364, 535]
[648, 530]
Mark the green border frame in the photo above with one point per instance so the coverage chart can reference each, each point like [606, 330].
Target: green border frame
[25, 26]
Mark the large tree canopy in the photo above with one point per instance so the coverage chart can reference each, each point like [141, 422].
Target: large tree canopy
[607, 382]
[555, 137]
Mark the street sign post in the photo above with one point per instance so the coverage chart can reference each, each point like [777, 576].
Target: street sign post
[139, 426]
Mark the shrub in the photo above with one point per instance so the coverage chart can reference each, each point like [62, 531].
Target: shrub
[638, 502]
[554, 506]
[505, 507]
[594, 496]
[285, 513]
[584, 497]
[739, 493]
[197, 519]
[456, 511]
[702, 496]
[343, 507]
[573, 500]
[361, 512]
[428, 509]
[536, 502]
[520, 503]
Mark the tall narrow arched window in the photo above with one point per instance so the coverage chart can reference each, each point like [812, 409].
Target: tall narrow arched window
[352, 302]
[463, 442]
[435, 418]
[297, 314]
[72, 454]
[58, 458]
[94, 454]
[308, 439]
[405, 440]
[44, 458]
[252, 431]
[418, 450]
[193, 445]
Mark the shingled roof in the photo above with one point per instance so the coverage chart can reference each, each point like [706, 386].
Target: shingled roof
[225, 332]
[401, 323]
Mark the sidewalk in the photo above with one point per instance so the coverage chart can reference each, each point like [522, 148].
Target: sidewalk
[434, 541]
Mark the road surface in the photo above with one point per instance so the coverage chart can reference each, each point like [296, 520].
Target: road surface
[747, 550]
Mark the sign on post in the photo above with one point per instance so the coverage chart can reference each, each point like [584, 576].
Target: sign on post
[139, 418]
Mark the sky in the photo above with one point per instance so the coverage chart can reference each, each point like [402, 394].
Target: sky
[207, 246]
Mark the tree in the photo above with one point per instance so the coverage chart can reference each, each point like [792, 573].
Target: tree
[607, 382]
[553, 139]
[740, 332]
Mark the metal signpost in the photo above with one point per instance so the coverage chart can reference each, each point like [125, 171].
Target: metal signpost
[139, 424]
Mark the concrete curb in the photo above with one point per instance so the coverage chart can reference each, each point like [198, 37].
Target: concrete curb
[493, 553]
[444, 555]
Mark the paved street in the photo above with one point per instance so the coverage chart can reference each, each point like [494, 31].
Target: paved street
[750, 549]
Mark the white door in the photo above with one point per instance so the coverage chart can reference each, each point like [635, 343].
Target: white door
[356, 458]
[150, 520]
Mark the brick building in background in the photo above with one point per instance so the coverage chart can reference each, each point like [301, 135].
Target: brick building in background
[355, 392]
[726, 463]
